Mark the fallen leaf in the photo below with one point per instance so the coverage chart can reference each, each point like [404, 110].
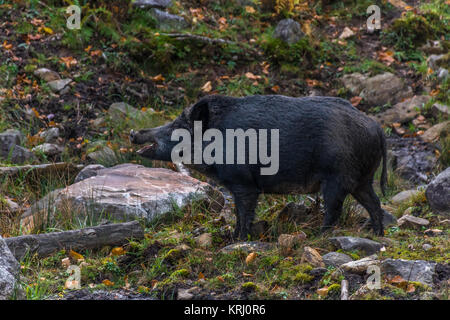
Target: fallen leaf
[75, 255]
[322, 291]
[207, 87]
[250, 258]
[108, 283]
[118, 251]
[356, 100]
[250, 9]
[201, 276]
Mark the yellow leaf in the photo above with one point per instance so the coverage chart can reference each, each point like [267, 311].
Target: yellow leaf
[201, 276]
[75, 255]
[108, 283]
[47, 30]
[118, 251]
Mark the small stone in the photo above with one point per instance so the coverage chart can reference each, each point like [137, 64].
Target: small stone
[404, 196]
[48, 149]
[323, 292]
[427, 247]
[336, 259]
[412, 222]
[288, 241]
[347, 33]
[439, 110]
[318, 272]
[360, 266]
[51, 135]
[248, 246]
[103, 155]
[289, 31]
[184, 294]
[204, 240]
[58, 85]
[46, 74]
[433, 232]
[313, 257]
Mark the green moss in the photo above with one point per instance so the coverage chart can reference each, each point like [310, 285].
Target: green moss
[249, 287]
[302, 277]
[182, 273]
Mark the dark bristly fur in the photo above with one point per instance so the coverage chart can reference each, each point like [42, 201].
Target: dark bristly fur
[325, 145]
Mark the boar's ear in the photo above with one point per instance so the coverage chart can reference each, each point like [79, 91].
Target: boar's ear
[199, 112]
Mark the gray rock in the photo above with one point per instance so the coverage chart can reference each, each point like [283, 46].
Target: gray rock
[439, 110]
[122, 110]
[376, 92]
[249, 246]
[434, 133]
[46, 74]
[160, 4]
[442, 74]
[438, 193]
[11, 137]
[412, 159]
[352, 243]
[9, 271]
[88, 171]
[433, 47]
[105, 155]
[58, 85]
[410, 270]
[184, 294]
[289, 31]
[412, 222]
[336, 259]
[360, 266]
[404, 196]
[402, 112]
[168, 21]
[354, 82]
[204, 240]
[49, 149]
[427, 246]
[50, 135]
[9, 148]
[125, 192]
[435, 60]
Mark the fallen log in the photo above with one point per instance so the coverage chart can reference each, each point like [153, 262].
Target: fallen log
[88, 238]
[40, 169]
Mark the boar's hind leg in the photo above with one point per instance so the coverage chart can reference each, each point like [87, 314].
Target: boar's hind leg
[245, 199]
[369, 200]
[334, 196]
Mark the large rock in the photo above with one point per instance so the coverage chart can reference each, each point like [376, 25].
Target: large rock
[10, 149]
[410, 270]
[336, 259]
[402, 112]
[434, 133]
[121, 110]
[438, 193]
[412, 159]
[48, 149]
[412, 222]
[58, 86]
[289, 31]
[9, 271]
[160, 4]
[168, 21]
[50, 135]
[352, 243]
[377, 90]
[125, 192]
[105, 155]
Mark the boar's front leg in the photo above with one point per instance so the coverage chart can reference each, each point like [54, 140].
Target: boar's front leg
[245, 199]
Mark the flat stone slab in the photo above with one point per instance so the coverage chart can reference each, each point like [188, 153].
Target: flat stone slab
[353, 243]
[127, 192]
[410, 270]
[249, 246]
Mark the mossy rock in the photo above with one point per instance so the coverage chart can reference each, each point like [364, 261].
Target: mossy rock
[249, 287]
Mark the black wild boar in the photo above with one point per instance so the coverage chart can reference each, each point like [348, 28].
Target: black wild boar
[325, 144]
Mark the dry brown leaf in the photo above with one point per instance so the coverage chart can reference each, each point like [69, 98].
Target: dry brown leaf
[207, 87]
[356, 100]
[250, 258]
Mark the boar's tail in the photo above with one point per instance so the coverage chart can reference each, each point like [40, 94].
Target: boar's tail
[383, 180]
